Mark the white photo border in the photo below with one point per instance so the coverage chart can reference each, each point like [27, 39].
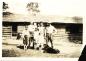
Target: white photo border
[42, 59]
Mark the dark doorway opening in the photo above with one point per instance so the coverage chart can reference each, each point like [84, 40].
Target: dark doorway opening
[14, 30]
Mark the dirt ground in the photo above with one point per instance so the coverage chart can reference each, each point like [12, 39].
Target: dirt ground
[67, 50]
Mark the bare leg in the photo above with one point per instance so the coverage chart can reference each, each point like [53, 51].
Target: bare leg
[51, 41]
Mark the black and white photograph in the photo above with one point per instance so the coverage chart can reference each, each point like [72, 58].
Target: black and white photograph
[41, 28]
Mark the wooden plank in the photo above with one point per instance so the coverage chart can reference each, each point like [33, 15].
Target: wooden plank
[6, 32]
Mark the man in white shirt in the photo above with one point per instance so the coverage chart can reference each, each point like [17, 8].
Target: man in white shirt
[31, 29]
[49, 31]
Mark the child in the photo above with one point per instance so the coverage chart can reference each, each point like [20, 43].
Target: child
[25, 42]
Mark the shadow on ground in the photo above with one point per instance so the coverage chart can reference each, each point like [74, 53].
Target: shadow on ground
[22, 47]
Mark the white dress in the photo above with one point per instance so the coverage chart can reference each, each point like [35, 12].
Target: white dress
[41, 35]
[36, 36]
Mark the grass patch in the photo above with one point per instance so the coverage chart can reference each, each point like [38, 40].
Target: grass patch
[8, 53]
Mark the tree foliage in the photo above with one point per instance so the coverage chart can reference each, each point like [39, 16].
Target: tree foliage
[5, 6]
[76, 18]
[33, 7]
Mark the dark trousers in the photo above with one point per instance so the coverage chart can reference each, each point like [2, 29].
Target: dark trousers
[31, 39]
[49, 39]
[25, 40]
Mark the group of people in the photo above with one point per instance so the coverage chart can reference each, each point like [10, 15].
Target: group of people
[37, 35]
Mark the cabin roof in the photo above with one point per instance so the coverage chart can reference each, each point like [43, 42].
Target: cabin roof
[40, 18]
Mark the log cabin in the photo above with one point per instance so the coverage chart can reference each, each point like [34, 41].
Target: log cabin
[67, 27]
